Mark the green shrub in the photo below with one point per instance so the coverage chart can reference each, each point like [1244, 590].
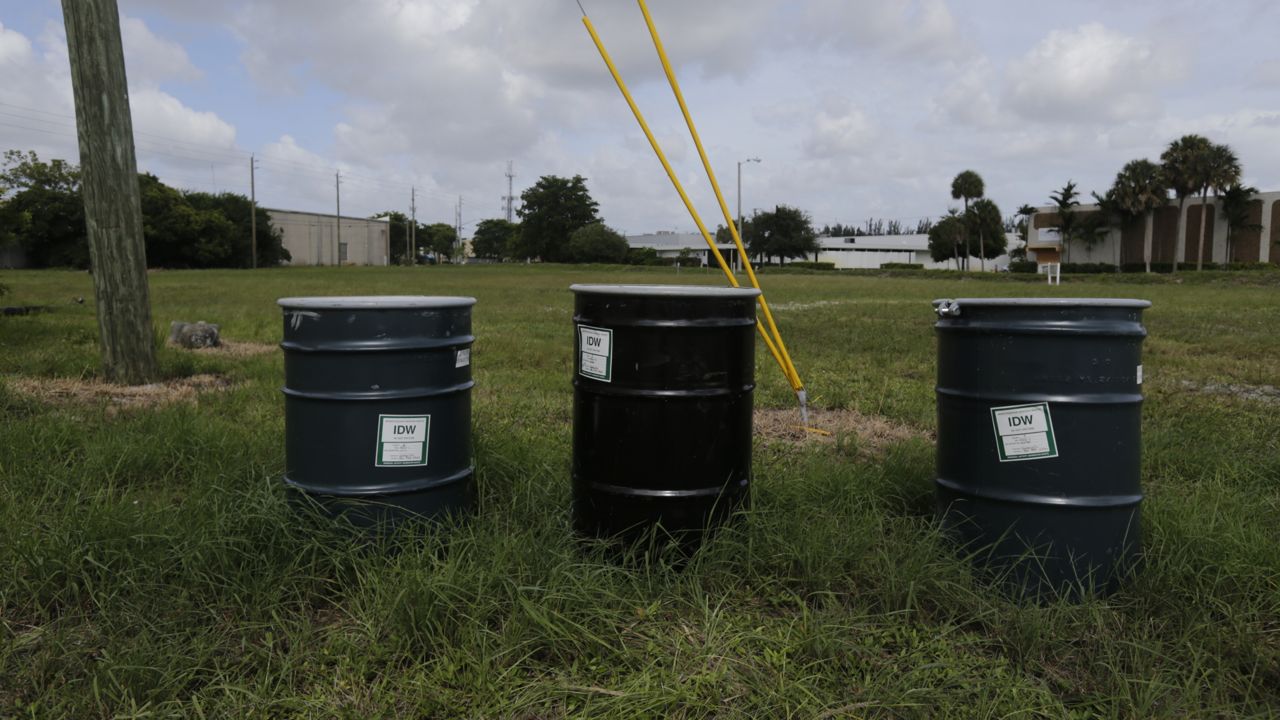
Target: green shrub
[1088, 268]
[901, 266]
[673, 261]
[1142, 267]
[598, 243]
[641, 256]
[1248, 266]
[806, 265]
[1022, 266]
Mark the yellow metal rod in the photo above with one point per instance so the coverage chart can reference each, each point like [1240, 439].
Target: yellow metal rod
[792, 376]
[653, 142]
[657, 149]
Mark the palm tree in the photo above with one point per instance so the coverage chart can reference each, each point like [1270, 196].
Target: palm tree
[1024, 229]
[954, 215]
[1235, 209]
[1139, 189]
[1221, 171]
[1065, 202]
[1098, 226]
[968, 186]
[1184, 162]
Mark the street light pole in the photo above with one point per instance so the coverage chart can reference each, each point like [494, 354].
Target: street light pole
[755, 160]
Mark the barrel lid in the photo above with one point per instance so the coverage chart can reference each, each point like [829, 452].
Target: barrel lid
[375, 302]
[667, 290]
[1044, 302]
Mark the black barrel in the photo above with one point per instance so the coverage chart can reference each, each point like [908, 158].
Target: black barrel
[663, 382]
[378, 405]
[1040, 437]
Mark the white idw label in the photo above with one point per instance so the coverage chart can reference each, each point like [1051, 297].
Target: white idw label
[596, 353]
[403, 440]
[464, 358]
[1139, 374]
[1024, 432]
[1020, 420]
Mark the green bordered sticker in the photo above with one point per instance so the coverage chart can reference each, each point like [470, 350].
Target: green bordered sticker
[403, 440]
[1024, 432]
[596, 353]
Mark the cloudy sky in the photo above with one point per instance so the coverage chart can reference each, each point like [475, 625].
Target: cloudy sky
[857, 108]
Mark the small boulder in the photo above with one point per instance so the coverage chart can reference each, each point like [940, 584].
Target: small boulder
[194, 336]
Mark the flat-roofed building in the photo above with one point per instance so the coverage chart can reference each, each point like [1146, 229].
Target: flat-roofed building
[1124, 243]
[671, 244]
[314, 238]
[872, 251]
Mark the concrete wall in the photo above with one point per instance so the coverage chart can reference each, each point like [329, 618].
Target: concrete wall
[312, 239]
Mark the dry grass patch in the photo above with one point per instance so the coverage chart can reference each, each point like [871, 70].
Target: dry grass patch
[234, 348]
[874, 433]
[1266, 394]
[70, 391]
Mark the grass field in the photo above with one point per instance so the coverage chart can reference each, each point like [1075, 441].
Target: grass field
[150, 568]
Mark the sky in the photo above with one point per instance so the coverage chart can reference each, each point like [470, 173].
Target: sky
[856, 108]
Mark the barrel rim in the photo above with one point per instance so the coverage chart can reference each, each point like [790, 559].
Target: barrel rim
[375, 302]
[1044, 302]
[665, 290]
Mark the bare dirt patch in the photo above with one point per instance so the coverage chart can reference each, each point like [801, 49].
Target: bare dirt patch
[874, 433]
[68, 391]
[1267, 394]
[235, 348]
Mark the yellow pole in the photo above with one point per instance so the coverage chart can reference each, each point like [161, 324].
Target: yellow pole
[792, 375]
[657, 149]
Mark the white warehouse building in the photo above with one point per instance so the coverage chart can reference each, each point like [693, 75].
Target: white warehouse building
[861, 251]
[872, 251]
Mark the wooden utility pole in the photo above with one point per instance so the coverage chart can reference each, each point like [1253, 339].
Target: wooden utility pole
[109, 184]
[411, 237]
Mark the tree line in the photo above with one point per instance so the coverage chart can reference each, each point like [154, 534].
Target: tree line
[876, 227]
[560, 222]
[41, 212]
[1190, 165]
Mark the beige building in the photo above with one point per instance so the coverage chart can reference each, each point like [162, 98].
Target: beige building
[316, 239]
[1124, 245]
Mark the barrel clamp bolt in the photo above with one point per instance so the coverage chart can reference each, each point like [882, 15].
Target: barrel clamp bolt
[948, 309]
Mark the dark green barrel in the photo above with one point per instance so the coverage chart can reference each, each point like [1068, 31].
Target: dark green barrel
[663, 382]
[378, 405]
[1040, 438]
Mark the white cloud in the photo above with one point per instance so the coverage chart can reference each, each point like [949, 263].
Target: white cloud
[967, 99]
[190, 148]
[151, 60]
[840, 130]
[157, 113]
[915, 30]
[1092, 73]
[15, 48]
[858, 107]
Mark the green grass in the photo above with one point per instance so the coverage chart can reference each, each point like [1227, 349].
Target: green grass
[149, 566]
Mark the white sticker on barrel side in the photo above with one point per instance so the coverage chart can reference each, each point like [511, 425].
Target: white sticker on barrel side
[1024, 432]
[464, 358]
[1139, 374]
[595, 347]
[403, 440]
